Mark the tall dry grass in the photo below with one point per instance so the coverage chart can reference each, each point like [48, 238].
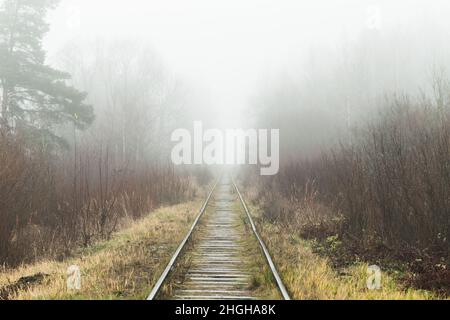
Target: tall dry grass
[51, 203]
[389, 189]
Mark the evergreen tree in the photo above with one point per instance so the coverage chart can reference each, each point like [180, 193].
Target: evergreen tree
[34, 97]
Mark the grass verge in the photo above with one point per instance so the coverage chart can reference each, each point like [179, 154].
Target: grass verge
[310, 276]
[126, 267]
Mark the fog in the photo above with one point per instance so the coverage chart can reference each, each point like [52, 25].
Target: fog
[256, 62]
[333, 116]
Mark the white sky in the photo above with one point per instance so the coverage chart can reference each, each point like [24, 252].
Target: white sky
[226, 46]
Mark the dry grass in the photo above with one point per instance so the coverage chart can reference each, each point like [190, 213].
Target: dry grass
[383, 194]
[309, 276]
[52, 203]
[263, 283]
[126, 267]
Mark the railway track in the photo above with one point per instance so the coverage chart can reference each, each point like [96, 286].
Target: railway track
[219, 264]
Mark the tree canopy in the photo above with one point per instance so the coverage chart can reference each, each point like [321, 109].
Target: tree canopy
[34, 96]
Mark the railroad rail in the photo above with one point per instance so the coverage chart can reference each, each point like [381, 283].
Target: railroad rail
[218, 267]
[267, 256]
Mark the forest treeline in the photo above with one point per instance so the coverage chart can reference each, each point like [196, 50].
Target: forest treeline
[53, 204]
[364, 171]
[75, 164]
[390, 184]
[383, 198]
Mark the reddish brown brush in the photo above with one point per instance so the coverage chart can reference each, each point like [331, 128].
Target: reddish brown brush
[50, 204]
[387, 192]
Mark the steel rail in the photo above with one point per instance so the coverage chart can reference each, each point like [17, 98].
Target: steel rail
[280, 284]
[176, 255]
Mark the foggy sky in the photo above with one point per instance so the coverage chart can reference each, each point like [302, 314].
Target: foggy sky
[226, 47]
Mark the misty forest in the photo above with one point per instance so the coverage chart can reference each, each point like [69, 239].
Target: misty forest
[91, 92]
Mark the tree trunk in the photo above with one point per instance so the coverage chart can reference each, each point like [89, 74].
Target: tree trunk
[5, 102]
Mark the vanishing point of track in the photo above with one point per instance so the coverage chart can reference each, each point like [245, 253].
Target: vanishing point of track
[218, 267]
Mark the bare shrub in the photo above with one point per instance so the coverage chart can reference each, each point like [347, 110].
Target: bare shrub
[23, 173]
[391, 185]
[297, 208]
[50, 204]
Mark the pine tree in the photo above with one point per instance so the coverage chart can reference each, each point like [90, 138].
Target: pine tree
[34, 97]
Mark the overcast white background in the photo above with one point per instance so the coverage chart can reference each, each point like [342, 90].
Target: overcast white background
[225, 47]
